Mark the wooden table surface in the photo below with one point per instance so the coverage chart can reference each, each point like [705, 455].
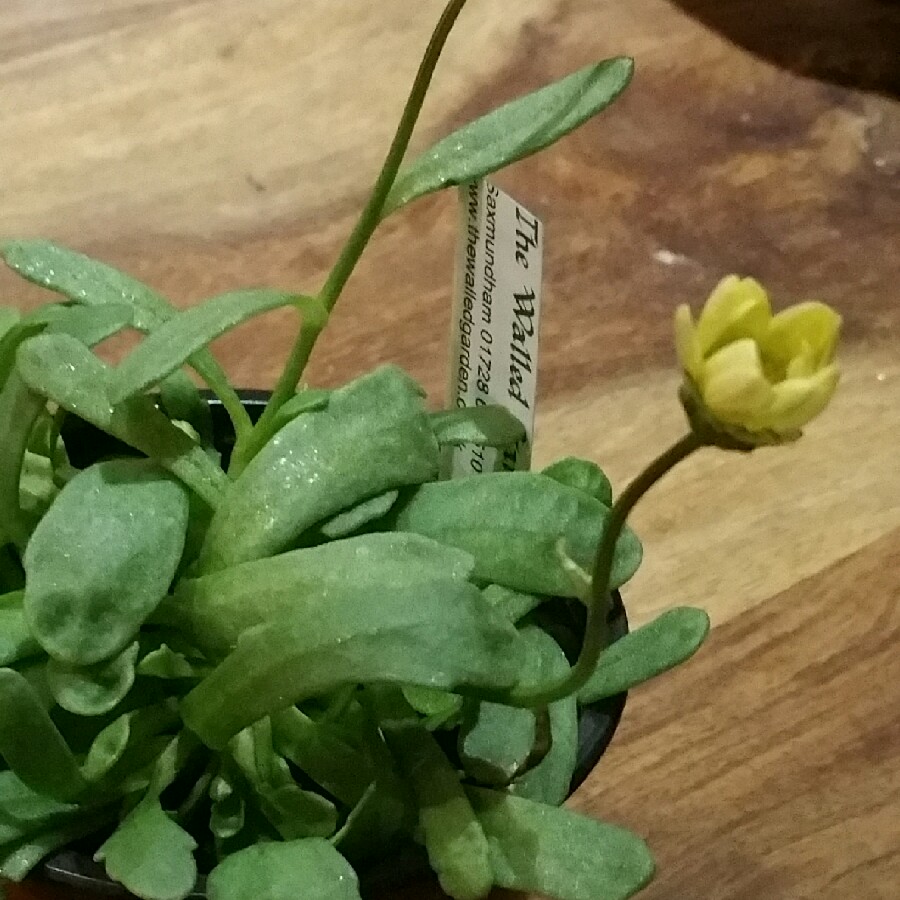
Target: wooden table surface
[208, 145]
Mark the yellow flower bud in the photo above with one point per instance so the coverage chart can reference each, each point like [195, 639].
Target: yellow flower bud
[752, 378]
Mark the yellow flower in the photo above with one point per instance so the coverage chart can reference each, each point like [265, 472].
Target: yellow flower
[752, 378]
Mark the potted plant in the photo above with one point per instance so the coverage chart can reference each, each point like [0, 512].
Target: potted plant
[267, 642]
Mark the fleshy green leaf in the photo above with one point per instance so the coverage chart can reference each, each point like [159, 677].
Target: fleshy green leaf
[583, 475]
[293, 812]
[512, 523]
[559, 853]
[20, 409]
[489, 426]
[216, 609]
[351, 520]
[457, 847]
[495, 742]
[131, 516]
[181, 400]
[19, 861]
[84, 280]
[65, 371]
[513, 605]
[549, 781]
[319, 750]
[646, 652]
[438, 707]
[90, 325]
[26, 811]
[513, 131]
[93, 690]
[372, 437]
[128, 743]
[304, 401]
[24, 726]
[440, 634]
[172, 343]
[309, 868]
[16, 640]
[164, 662]
[151, 855]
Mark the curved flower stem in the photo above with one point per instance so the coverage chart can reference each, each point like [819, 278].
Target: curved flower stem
[596, 634]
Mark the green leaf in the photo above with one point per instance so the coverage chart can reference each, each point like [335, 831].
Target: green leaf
[102, 558]
[8, 318]
[172, 343]
[549, 781]
[150, 855]
[129, 743]
[37, 486]
[309, 868]
[489, 426]
[559, 853]
[304, 401]
[438, 707]
[91, 283]
[18, 862]
[583, 475]
[293, 812]
[318, 749]
[20, 409]
[216, 609]
[495, 741]
[440, 634]
[512, 132]
[457, 847]
[25, 811]
[646, 652]
[350, 520]
[84, 280]
[181, 400]
[90, 325]
[93, 690]
[228, 813]
[63, 370]
[25, 725]
[16, 640]
[512, 523]
[513, 605]
[372, 437]
[164, 662]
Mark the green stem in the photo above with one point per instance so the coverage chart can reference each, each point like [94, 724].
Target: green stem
[371, 215]
[245, 449]
[356, 243]
[597, 629]
[217, 381]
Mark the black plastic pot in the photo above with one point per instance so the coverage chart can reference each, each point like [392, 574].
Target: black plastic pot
[596, 724]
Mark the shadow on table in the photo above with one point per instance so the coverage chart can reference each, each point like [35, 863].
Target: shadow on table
[855, 43]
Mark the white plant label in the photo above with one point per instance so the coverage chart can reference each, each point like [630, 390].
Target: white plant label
[496, 311]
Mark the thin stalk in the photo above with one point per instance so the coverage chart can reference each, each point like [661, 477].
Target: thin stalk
[597, 629]
[264, 429]
[361, 234]
[217, 381]
[371, 214]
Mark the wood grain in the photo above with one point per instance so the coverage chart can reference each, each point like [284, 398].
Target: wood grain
[208, 145]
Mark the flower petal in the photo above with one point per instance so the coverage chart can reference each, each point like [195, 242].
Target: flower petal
[737, 308]
[802, 365]
[796, 401]
[686, 343]
[734, 387]
[809, 322]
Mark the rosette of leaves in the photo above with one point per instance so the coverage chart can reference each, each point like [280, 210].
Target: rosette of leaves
[277, 663]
